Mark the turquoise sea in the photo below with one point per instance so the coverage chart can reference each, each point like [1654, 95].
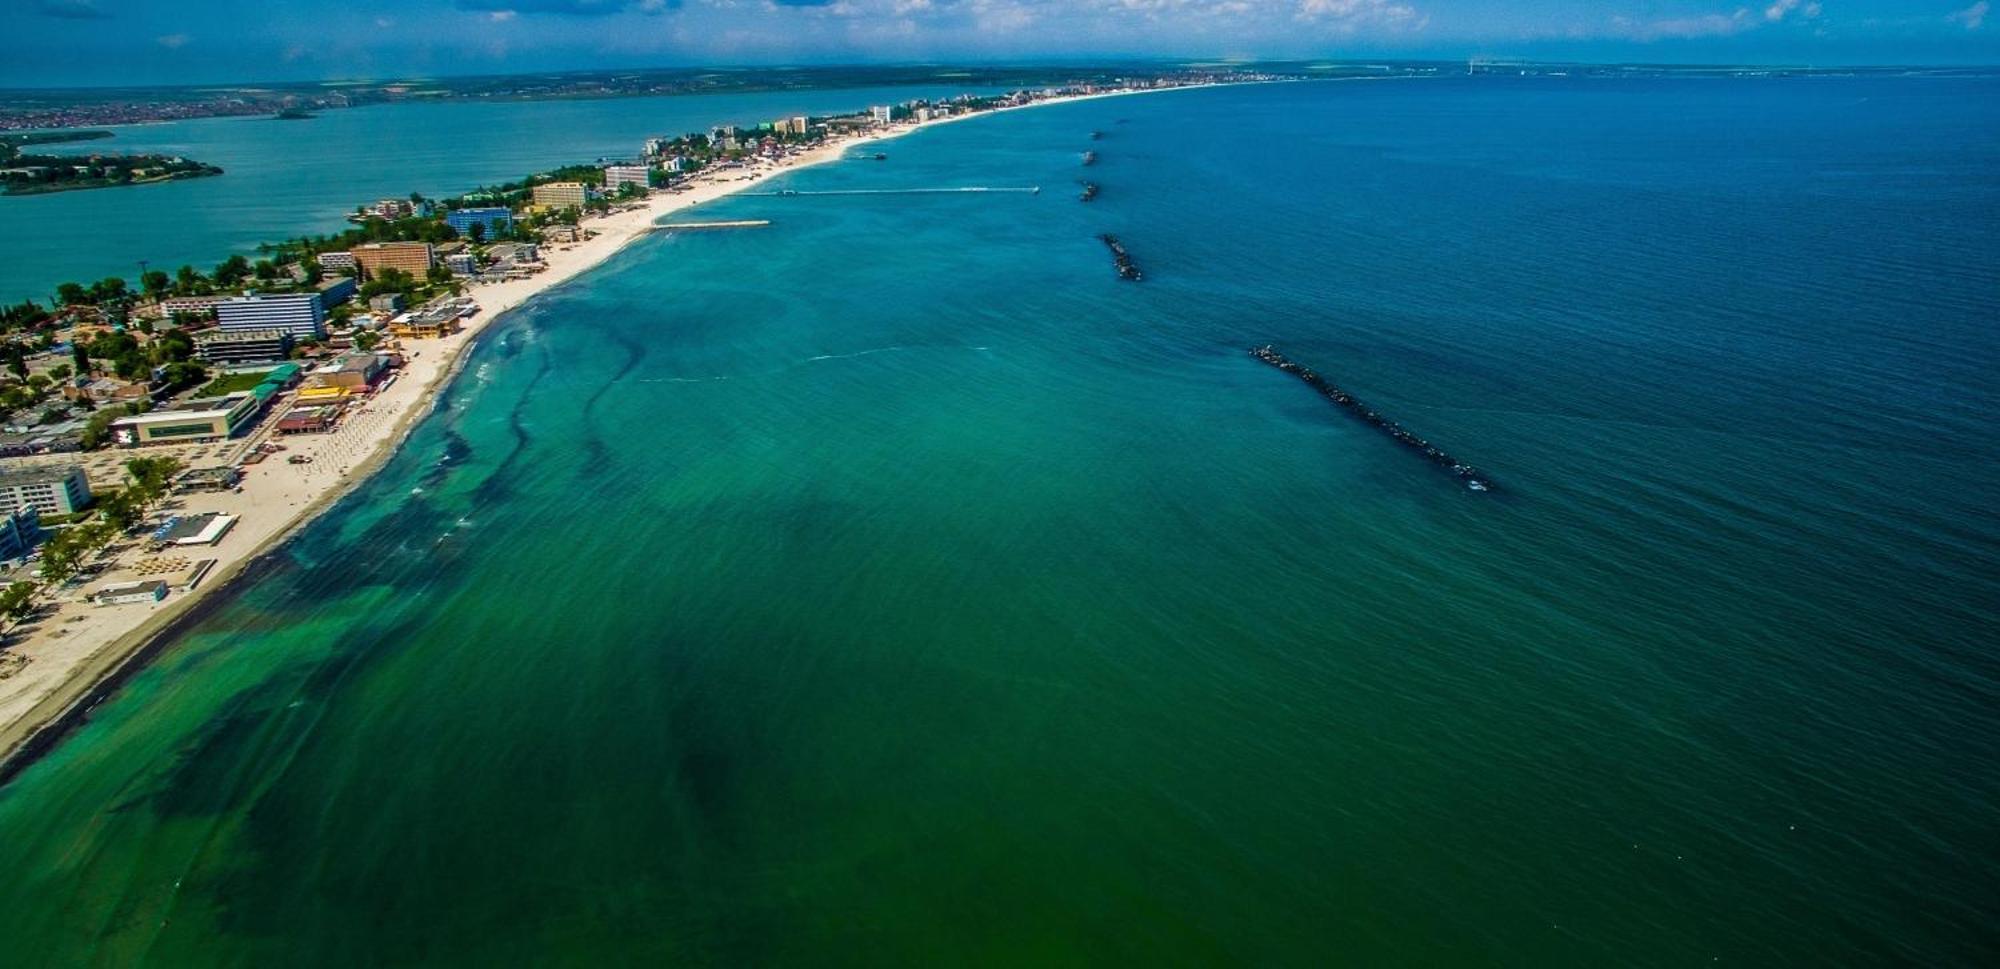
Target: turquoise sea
[285, 178]
[895, 586]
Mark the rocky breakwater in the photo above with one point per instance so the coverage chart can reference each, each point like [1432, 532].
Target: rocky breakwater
[1471, 476]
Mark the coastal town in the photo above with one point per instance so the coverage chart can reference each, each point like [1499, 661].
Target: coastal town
[26, 110]
[158, 437]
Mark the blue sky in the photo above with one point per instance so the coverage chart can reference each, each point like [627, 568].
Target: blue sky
[127, 41]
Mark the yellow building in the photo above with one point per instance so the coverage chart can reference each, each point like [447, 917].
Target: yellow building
[318, 391]
[414, 258]
[562, 195]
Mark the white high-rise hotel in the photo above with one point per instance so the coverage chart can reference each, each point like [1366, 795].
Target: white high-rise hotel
[303, 315]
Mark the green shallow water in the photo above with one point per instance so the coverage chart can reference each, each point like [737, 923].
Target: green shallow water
[893, 586]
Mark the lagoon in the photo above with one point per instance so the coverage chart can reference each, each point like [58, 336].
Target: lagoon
[287, 178]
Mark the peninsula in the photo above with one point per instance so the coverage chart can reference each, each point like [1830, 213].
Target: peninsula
[32, 174]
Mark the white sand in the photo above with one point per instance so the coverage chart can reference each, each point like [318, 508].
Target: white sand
[82, 644]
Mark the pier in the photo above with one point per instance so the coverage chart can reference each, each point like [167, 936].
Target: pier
[736, 224]
[1127, 269]
[1472, 476]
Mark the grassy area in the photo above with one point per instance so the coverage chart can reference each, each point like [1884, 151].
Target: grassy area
[234, 383]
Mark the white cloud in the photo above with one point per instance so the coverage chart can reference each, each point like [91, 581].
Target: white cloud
[1780, 9]
[1000, 17]
[501, 16]
[1684, 28]
[1354, 14]
[174, 41]
[1973, 17]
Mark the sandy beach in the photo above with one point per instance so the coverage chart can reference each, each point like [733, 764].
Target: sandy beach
[75, 653]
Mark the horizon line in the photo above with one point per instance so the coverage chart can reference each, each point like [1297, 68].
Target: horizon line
[1022, 64]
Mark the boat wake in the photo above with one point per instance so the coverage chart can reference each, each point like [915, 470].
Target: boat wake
[821, 358]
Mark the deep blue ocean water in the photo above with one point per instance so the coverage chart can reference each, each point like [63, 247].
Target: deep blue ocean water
[894, 585]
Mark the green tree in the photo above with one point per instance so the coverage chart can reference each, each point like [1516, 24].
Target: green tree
[81, 357]
[185, 373]
[64, 553]
[72, 294]
[110, 289]
[156, 283]
[123, 509]
[17, 601]
[97, 430]
[189, 282]
[388, 281]
[232, 271]
[152, 476]
[172, 346]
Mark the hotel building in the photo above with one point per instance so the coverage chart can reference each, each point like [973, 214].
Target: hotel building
[338, 290]
[47, 490]
[562, 195]
[242, 346]
[20, 532]
[303, 315]
[414, 258]
[617, 176]
[498, 221]
[196, 420]
[190, 305]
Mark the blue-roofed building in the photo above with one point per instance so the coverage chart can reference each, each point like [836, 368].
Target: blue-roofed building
[497, 221]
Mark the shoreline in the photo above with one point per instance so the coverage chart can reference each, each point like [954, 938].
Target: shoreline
[38, 728]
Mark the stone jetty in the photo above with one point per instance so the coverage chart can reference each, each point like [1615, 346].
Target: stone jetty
[1473, 477]
[1127, 269]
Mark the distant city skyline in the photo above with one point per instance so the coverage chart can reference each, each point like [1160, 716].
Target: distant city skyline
[112, 42]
